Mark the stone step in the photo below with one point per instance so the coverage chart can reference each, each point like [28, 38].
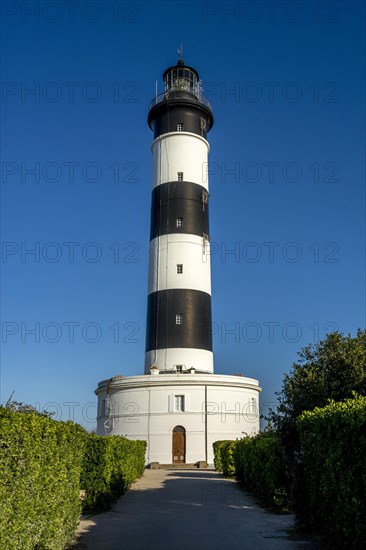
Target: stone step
[178, 465]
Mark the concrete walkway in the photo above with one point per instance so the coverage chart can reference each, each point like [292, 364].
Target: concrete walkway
[187, 510]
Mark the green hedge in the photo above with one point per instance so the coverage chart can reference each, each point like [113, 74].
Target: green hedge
[110, 465]
[227, 458]
[217, 445]
[44, 464]
[260, 467]
[333, 441]
[223, 456]
[256, 462]
[40, 465]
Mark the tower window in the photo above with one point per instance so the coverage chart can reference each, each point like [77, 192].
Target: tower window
[180, 268]
[180, 176]
[179, 222]
[179, 319]
[180, 127]
[179, 403]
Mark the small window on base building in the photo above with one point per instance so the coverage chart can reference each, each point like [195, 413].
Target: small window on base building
[179, 403]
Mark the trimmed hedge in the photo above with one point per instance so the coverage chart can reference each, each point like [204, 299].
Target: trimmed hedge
[217, 445]
[40, 464]
[111, 464]
[329, 488]
[333, 441]
[44, 464]
[260, 467]
[257, 463]
[223, 456]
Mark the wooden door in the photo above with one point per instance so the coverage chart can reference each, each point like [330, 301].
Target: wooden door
[179, 445]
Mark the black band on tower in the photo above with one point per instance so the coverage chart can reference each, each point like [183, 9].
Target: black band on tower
[183, 201]
[162, 330]
[195, 117]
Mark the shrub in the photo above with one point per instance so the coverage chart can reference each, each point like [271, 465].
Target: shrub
[333, 443]
[40, 464]
[110, 465]
[227, 458]
[217, 445]
[332, 368]
[259, 466]
[44, 464]
[223, 456]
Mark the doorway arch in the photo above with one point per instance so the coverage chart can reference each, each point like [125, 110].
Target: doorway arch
[179, 445]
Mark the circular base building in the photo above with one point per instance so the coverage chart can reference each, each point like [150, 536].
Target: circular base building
[179, 415]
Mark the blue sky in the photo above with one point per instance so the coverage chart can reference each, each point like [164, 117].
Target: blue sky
[287, 84]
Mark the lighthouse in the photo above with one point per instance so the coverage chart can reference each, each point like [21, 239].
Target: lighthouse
[178, 332]
[179, 405]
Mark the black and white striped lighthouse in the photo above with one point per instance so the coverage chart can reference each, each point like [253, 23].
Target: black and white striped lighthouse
[179, 416]
[178, 331]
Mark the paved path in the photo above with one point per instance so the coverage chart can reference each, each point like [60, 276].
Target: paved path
[187, 510]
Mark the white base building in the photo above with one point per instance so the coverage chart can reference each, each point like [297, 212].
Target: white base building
[179, 415]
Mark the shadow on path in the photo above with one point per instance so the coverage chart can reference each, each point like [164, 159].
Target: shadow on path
[187, 510]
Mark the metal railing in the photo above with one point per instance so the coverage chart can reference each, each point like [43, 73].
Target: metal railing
[184, 94]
